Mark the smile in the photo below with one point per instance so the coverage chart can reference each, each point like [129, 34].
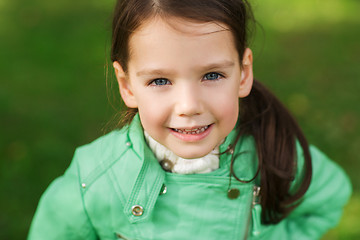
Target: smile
[191, 131]
[193, 134]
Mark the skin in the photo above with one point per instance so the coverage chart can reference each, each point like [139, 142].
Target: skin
[185, 77]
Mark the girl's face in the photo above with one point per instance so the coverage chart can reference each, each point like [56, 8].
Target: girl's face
[185, 79]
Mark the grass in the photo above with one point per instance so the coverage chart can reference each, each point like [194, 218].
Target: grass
[53, 91]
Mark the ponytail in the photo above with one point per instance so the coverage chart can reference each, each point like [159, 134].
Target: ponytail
[275, 133]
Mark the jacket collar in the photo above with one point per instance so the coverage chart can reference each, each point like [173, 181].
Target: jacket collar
[150, 179]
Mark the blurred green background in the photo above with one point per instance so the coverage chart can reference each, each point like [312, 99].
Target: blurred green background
[53, 94]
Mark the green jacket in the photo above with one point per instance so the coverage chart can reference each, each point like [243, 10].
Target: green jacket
[116, 189]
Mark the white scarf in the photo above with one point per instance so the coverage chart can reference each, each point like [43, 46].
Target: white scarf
[176, 164]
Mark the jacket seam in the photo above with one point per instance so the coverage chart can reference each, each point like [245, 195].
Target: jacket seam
[83, 201]
[104, 166]
[116, 188]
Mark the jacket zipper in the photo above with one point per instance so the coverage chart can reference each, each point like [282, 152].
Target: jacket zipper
[255, 201]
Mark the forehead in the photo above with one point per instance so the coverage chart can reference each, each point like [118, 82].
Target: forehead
[178, 29]
[157, 36]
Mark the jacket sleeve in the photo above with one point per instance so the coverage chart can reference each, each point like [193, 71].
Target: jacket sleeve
[322, 205]
[60, 213]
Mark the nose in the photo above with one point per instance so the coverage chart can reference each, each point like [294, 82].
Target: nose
[188, 101]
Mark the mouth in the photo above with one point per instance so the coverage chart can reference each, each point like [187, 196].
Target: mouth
[192, 134]
[191, 131]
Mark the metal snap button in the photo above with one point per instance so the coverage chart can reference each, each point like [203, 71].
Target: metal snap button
[137, 210]
[167, 165]
[163, 189]
[233, 193]
[230, 149]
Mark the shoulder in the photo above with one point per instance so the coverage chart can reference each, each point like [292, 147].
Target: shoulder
[101, 152]
[330, 187]
[91, 157]
[108, 145]
[324, 169]
[328, 173]
[322, 205]
[60, 213]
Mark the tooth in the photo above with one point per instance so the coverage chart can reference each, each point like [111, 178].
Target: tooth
[191, 131]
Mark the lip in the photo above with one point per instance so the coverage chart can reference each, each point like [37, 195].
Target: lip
[193, 137]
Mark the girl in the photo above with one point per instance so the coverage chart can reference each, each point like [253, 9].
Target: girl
[207, 151]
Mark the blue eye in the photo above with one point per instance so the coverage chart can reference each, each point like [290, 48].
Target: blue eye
[212, 76]
[160, 82]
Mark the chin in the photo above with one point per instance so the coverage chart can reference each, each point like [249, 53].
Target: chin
[191, 155]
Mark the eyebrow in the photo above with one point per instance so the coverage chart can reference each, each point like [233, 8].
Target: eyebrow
[223, 64]
[166, 72]
[150, 72]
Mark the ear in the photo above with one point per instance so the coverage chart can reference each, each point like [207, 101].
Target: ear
[247, 76]
[124, 86]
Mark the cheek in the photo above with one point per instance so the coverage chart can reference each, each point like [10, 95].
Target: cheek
[146, 116]
[231, 112]
[228, 110]
[151, 116]
[226, 102]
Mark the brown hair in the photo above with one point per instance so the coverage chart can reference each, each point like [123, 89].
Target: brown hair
[261, 115]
